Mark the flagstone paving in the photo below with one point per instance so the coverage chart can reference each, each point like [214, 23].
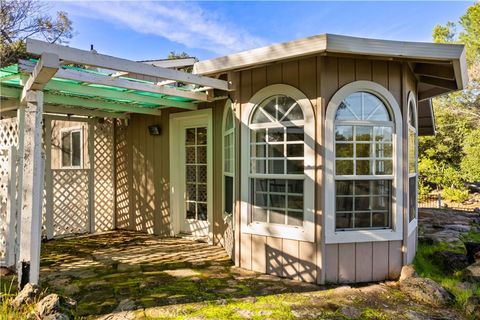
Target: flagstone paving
[129, 275]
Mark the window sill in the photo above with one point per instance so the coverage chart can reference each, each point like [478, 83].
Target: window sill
[280, 231]
[362, 236]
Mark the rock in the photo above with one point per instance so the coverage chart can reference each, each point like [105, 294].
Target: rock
[54, 304]
[407, 272]
[426, 290]
[56, 316]
[464, 286]
[451, 261]
[458, 227]
[472, 307]
[27, 295]
[477, 257]
[123, 267]
[472, 272]
[246, 314]
[4, 272]
[446, 236]
[125, 315]
[126, 305]
[351, 312]
[472, 248]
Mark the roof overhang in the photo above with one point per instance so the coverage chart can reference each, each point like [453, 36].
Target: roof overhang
[439, 68]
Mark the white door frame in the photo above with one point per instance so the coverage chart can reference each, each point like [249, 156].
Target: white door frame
[178, 123]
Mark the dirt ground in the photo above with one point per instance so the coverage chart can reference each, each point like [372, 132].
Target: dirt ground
[126, 275]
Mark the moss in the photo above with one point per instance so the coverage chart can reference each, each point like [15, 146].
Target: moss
[373, 314]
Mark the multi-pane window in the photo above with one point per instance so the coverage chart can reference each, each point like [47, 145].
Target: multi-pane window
[228, 161]
[196, 173]
[277, 152]
[71, 147]
[364, 153]
[412, 162]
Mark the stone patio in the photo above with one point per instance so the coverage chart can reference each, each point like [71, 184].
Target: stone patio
[129, 275]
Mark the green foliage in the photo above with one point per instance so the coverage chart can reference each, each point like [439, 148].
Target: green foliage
[470, 163]
[454, 194]
[21, 19]
[426, 267]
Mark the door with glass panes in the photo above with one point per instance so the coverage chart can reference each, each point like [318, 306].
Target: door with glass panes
[193, 195]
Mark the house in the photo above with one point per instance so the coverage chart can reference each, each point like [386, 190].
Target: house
[299, 158]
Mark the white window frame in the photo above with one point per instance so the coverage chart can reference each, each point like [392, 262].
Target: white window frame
[348, 236]
[412, 225]
[307, 231]
[228, 219]
[70, 130]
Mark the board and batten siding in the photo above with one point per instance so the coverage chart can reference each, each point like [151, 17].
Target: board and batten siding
[319, 77]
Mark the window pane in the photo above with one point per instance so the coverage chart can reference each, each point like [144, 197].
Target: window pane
[381, 187]
[381, 203]
[363, 133]
[344, 167]
[275, 150]
[295, 202]
[411, 152]
[344, 220]
[261, 185]
[258, 150]
[384, 167]
[275, 134]
[363, 150]
[258, 135]
[276, 185]
[380, 220]
[259, 214]
[202, 154]
[191, 191]
[276, 166]
[261, 199]
[363, 167]
[66, 147]
[191, 210]
[347, 111]
[190, 154]
[295, 186]
[362, 220]
[295, 218]
[259, 166]
[202, 173]
[344, 187]
[295, 166]
[76, 149]
[383, 150]
[190, 136]
[295, 150]
[344, 203]
[277, 216]
[191, 173]
[412, 198]
[362, 188]
[228, 194]
[295, 114]
[202, 135]
[344, 150]
[362, 203]
[344, 133]
[295, 134]
[202, 192]
[202, 211]
[383, 134]
[277, 201]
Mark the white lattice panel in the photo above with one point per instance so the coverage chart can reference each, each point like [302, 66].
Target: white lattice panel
[8, 132]
[103, 181]
[70, 202]
[4, 173]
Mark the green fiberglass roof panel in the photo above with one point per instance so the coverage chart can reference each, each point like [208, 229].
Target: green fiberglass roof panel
[13, 78]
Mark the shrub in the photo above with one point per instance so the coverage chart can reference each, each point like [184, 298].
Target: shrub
[454, 194]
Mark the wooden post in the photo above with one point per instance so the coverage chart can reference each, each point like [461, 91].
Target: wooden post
[48, 178]
[11, 207]
[32, 191]
[91, 177]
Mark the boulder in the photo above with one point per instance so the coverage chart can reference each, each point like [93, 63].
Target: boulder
[407, 272]
[451, 261]
[4, 272]
[472, 272]
[56, 306]
[472, 248]
[472, 307]
[27, 295]
[426, 290]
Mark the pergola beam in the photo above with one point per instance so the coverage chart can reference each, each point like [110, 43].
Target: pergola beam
[78, 111]
[43, 71]
[91, 58]
[444, 71]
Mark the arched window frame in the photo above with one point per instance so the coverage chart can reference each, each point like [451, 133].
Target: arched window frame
[307, 231]
[395, 232]
[412, 113]
[228, 218]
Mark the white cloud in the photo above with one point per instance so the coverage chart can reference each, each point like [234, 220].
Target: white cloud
[186, 23]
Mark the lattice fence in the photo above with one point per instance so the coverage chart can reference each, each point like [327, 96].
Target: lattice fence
[103, 173]
[8, 139]
[70, 202]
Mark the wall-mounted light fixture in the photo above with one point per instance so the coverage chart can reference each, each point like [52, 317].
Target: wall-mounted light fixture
[154, 130]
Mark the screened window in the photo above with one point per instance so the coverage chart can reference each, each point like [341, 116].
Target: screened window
[228, 161]
[412, 161]
[71, 147]
[277, 150]
[364, 153]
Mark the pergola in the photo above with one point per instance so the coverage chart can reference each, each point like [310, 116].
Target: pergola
[70, 81]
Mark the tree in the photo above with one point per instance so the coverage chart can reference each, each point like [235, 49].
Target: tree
[21, 19]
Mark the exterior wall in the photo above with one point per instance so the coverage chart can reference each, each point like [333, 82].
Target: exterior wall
[319, 77]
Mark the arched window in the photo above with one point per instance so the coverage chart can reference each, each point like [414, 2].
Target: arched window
[277, 172]
[228, 159]
[361, 162]
[412, 162]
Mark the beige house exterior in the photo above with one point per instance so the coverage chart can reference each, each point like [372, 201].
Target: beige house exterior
[305, 168]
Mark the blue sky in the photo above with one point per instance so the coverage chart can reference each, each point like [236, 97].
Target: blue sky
[141, 30]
